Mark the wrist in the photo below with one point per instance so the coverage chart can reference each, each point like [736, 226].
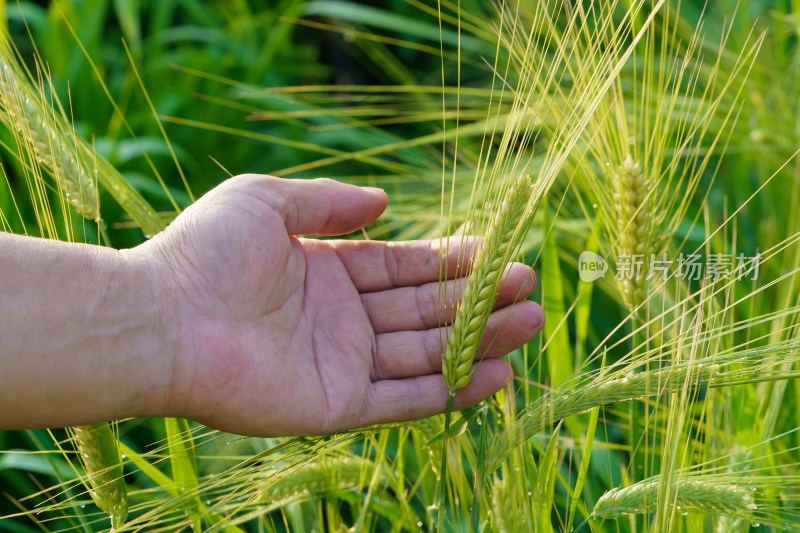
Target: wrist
[149, 339]
[84, 338]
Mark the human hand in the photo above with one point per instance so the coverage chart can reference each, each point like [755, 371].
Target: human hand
[271, 334]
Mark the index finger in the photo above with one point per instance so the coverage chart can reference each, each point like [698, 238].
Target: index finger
[378, 266]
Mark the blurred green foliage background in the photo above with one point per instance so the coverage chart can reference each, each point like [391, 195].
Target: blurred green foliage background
[197, 60]
[208, 66]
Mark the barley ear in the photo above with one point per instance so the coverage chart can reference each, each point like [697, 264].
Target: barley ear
[100, 455]
[633, 223]
[321, 477]
[688, 494]
[430, 430]
[505, 517]
[43, 134]
[481, 286]
[554, 406]
[739, 463]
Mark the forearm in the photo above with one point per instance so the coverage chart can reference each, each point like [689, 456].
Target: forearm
[81, 339]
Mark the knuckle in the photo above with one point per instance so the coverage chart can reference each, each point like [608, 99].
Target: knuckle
[410, 400]
[426, 305]
[391, 264]
[432, 345]
[250, 177]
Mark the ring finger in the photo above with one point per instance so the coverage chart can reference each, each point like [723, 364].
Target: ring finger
[412, 353]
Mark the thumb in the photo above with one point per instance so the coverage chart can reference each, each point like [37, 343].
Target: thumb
[323, 206]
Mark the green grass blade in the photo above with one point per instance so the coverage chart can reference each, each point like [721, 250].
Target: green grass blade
[183, 463]
[480, 474]
[547, 483]
[559, 349]
[584, 468]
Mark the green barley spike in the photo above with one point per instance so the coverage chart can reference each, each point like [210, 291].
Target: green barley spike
[689, 495]
[100, 454]
[634, 228]
[322, 476]
[53, 148]
[481, 288]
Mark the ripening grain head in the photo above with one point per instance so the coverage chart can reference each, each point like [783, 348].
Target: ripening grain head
[41, 132]
[687, 494]
[100, 455]
[481, 286]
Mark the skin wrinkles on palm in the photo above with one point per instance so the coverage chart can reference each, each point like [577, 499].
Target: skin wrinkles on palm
[340, 362]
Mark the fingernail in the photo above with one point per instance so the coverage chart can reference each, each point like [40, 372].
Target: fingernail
[375, 190]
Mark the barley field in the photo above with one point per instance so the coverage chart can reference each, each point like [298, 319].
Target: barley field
[641, 155]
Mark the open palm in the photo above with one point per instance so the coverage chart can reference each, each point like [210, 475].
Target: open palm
[280, 335]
